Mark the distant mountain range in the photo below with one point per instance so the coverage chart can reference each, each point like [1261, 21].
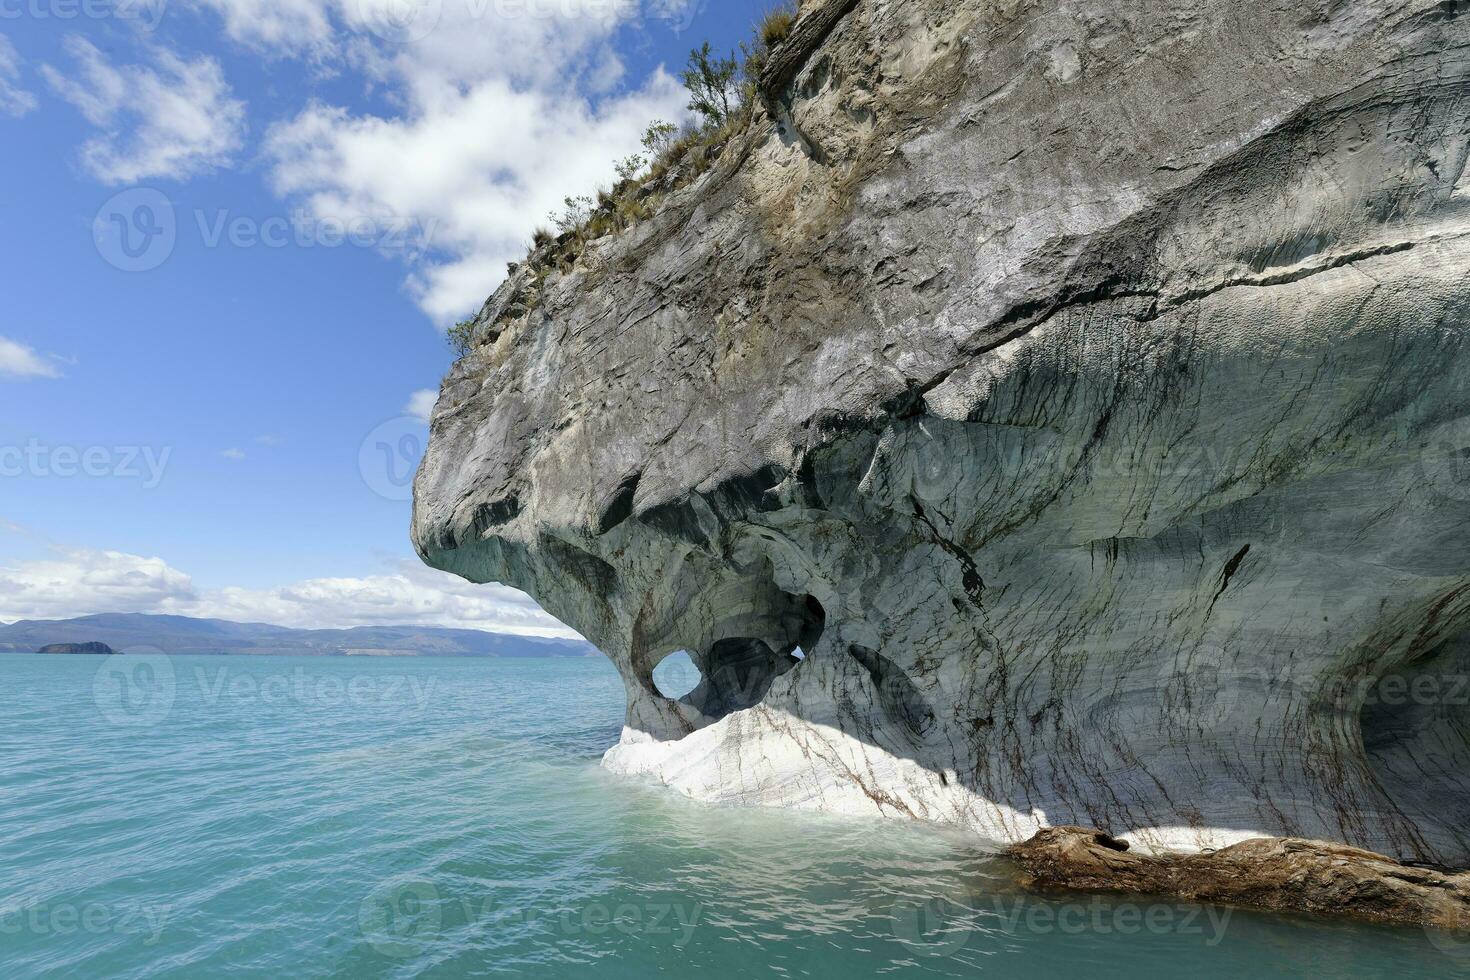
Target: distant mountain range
[183, 635]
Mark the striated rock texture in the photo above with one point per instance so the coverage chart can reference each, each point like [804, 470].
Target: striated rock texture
[1279, 875]
[1082, 386]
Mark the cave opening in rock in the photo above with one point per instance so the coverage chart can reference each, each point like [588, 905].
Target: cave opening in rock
[814, 621]
[736, 672]
[739, 670]
[676, 676]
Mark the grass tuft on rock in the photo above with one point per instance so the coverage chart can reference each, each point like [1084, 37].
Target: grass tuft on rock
[722, 93]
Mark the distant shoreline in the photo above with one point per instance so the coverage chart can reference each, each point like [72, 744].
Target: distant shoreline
[185, 636]
[392, 655]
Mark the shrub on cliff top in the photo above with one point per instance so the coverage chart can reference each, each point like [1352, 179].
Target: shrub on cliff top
[777, 26]
[722, 91]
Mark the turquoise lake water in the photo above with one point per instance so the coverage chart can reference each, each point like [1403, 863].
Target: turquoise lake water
[195, 817]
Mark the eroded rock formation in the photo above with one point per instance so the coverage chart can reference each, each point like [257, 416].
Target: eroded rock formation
[1082, 387]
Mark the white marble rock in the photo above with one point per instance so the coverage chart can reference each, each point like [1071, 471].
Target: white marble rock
[1082, 385]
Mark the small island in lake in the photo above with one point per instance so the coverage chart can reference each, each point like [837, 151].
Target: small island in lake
[101, 648]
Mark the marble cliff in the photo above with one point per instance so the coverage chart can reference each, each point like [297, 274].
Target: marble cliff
[1082, 387]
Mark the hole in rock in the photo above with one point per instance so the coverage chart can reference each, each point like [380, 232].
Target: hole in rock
[736, 672]
[739, 674]
[676, 676]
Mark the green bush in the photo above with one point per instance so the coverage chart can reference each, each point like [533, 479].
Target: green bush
[711, 84]
[722, 93]
[575, 212]
[629, 167]
[658, 137]
[462, 336]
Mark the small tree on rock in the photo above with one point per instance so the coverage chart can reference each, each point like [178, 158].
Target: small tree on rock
[711, 82]
[462, 337]
[575, 212]
[629, 167]
[659, 137]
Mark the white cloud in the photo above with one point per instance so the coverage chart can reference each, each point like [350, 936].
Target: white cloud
[81, 582]
[421, 404]
[19, 361]
[277, 26]
[14, 100]
[269, 440]
[233, 453]
[175, 121]
[482, 168]
[499, 121]
[412, 595]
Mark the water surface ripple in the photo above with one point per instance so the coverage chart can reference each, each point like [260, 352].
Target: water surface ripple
[192, 817]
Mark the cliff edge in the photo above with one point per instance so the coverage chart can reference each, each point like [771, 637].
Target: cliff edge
[1082, 387]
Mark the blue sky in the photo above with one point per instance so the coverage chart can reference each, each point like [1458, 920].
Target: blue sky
[234, 232]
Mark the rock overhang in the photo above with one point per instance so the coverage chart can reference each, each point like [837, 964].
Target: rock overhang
[1105, 496]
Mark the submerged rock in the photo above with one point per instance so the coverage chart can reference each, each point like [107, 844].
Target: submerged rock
[1272, 874]
[1083, 390]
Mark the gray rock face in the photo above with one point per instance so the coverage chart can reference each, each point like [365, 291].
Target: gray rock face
[1083, 387]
